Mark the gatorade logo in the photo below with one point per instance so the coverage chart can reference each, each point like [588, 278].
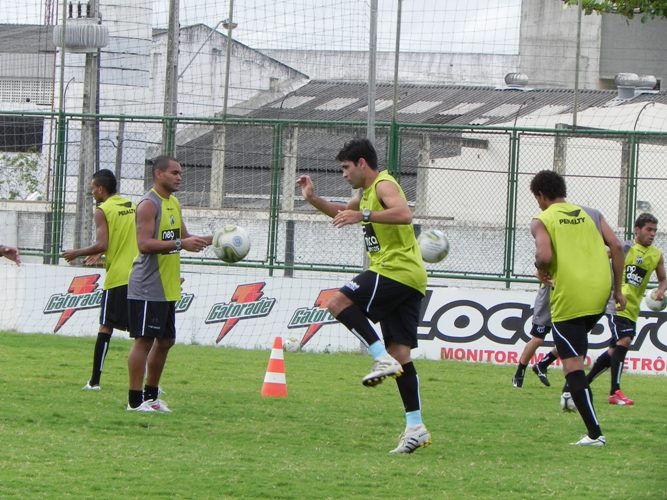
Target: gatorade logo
[83, 293]
[248, 301]
[313, 318]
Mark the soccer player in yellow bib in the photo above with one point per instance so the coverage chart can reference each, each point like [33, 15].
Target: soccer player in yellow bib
[392, 289]
[155, 284]
[570, 255]
[641, 260]
[115, 232]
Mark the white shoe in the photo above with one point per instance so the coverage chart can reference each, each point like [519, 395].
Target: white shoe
[159, 405]
[382, 368]
[89, 387]
[144, 407]
[413, 438]
[586, 441]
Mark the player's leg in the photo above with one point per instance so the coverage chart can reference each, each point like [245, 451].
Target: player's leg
[138, 355]
[526, 355]
[165, 313]
[351, 306]
[113, 314]
[603, 361]
[540, 368]
[625, 333]
[400, 332]
[571, 338]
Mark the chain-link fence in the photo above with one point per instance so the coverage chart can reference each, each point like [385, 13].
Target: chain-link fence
[470, 182]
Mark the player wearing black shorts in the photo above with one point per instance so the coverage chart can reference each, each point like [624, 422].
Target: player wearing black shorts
[570, 255]
[115, 238]
[155, 284]
[391, 290]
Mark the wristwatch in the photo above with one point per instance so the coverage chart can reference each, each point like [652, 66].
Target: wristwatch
[366, 215]
[178, 244]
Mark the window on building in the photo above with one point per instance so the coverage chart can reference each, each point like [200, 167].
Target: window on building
[21, 134]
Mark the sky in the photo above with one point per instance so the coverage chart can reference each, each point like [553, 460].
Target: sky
[490, 26]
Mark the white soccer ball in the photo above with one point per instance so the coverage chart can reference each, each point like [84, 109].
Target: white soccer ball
[566, 402]
[231, 243]
[654, 304]
[291, 344]
[434, 245]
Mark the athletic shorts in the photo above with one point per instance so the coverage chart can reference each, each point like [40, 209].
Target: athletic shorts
[571, 336]
[395, 305]
[113, 311]
[152, 319]
[540, 331]
[620, 327]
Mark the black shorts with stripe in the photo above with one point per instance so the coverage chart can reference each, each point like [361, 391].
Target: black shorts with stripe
[620, 327]
[113, 311]
[395, 305]
[571, 336]
[152, 319]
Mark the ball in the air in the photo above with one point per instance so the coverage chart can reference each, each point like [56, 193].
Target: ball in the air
[434, 245]
[231, 243]
[292, 344]
[654, 304]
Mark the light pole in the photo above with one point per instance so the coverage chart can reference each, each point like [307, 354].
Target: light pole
[229, 25]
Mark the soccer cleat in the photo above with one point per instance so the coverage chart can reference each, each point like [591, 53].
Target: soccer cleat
[620, 399]
[586, 441]
[413, 438]
[382, 368]
[89, 387]
[517, 381]
[159, 405]
[144, 407]
[542, 375]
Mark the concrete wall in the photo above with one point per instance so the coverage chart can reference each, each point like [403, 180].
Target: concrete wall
[548, 45]
[414, 67]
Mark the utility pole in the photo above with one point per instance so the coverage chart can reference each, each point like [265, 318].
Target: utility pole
[171, 81]
[88, 157]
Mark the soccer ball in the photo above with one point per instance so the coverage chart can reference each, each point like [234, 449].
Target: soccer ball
[231, 243]
[652, 303]
[566, 403]
[433, 245]
[292, 344]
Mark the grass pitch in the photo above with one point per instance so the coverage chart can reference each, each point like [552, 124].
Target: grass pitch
[328, 439]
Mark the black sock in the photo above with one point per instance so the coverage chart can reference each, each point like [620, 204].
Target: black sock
[408, 387]
[601, 364]
[135, 398]
[99, 355]
[617, 360]
[583, 399]
[357, 323]
[520, 370]
[150, 392]
[546, 361]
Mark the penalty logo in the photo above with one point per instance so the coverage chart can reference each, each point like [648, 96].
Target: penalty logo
[248, 301]
[83, 293]
[313, 317]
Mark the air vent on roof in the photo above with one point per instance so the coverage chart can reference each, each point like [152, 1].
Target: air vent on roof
[516, 79]
[626, 83]
[647, 82]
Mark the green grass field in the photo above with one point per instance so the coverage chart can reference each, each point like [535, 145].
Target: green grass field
[328, 439]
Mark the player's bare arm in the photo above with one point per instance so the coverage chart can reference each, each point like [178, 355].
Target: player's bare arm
[11, 253]
[101, 240]
[192, 242]
[662, 279]
[617, 262]
[543, 250]
[308, 191]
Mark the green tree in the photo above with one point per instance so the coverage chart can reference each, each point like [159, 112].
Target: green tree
[18, 175]
[648, 9]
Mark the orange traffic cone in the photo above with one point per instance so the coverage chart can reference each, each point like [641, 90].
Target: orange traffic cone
[275, 383]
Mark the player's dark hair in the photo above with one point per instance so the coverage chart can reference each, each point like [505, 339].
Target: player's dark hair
[356, 149]
[644, 219]
[106, 179]
[162, 163]
[548, 183]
